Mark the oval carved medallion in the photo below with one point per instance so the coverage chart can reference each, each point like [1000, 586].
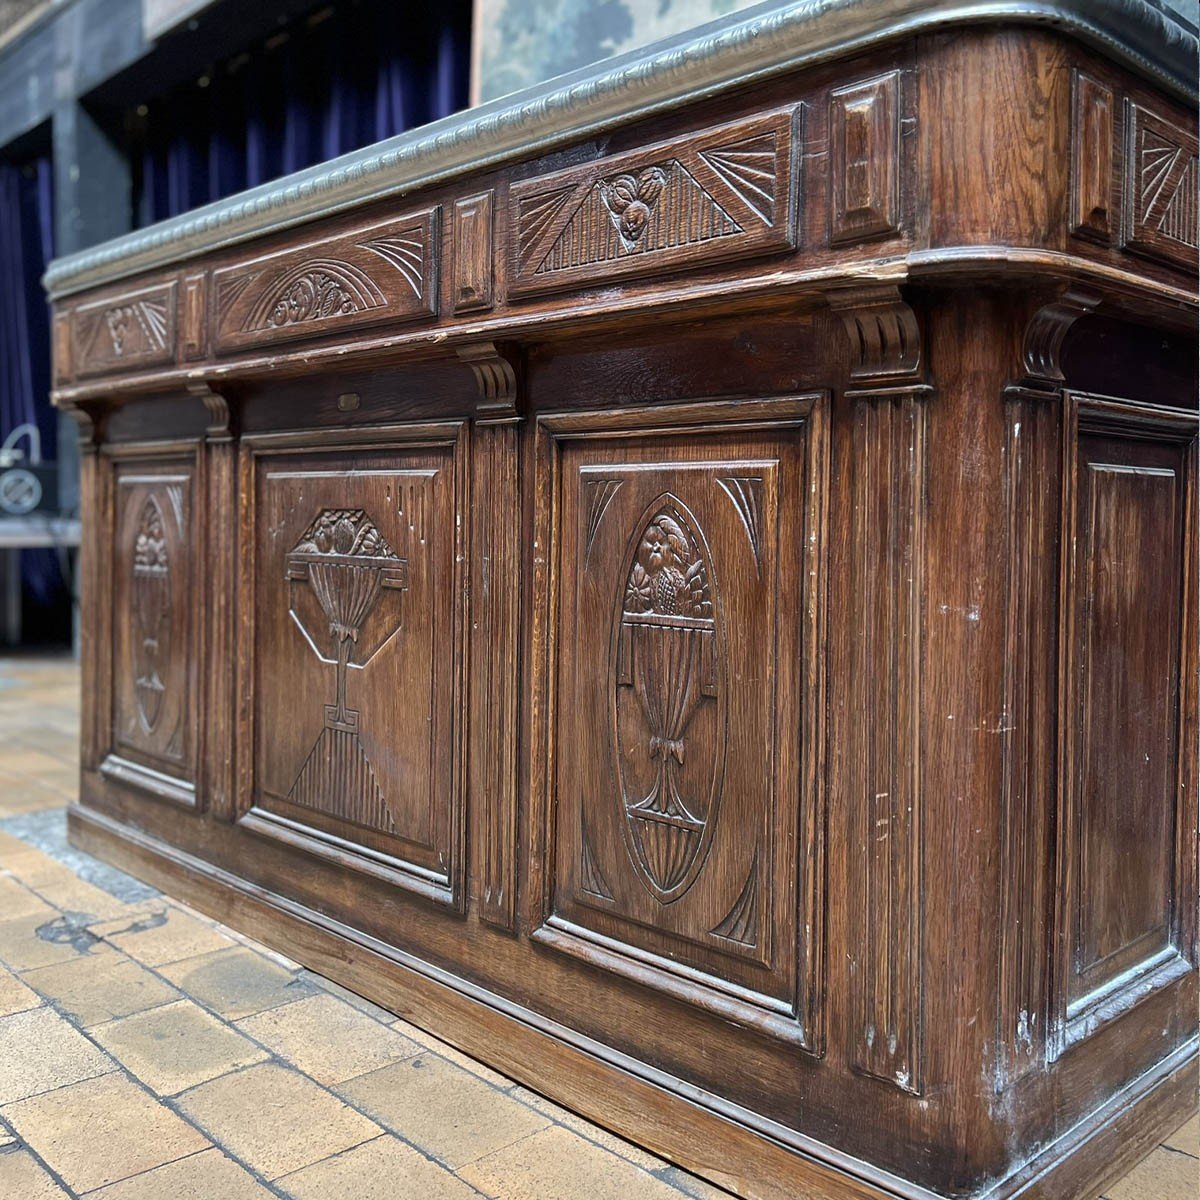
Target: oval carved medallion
[668, 698]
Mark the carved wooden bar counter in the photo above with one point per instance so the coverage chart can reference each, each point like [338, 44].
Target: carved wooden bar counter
[683, 583]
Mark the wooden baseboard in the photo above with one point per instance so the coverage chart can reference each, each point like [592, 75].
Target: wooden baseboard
[1111, 1139]
[733, 1147]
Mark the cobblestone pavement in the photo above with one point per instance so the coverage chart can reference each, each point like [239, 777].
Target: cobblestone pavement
[149, 1053]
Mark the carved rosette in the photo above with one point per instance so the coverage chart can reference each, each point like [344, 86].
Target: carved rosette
[669, 667]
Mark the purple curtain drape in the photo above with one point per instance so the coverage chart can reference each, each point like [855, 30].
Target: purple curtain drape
[365, 74]
[26, 246]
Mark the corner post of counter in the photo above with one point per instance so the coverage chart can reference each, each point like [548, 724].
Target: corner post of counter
[494, 646]
[92, 573]
[881, 764]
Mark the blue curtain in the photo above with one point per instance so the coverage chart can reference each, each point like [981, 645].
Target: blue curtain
[365, 73]
[26, 246]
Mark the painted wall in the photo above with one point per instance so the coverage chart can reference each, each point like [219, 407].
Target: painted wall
[521, 42]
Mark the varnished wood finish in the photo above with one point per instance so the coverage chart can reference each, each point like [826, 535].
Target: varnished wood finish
[704, 619]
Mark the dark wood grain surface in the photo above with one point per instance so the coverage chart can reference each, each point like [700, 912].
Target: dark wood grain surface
[703, 620]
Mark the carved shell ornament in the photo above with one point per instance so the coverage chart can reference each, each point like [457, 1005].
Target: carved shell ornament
[668, 699]
[631, 199]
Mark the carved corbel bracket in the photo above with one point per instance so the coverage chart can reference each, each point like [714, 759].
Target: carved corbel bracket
[86, 425]
[496, 377]
[219, 428]
[886, 352]
[1045, 334]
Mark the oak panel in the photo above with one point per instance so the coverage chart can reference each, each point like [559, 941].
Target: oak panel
[1092, 117]
[685, 826]
[1125, 815]
[474, 274]
[155, 628]
[354, 593]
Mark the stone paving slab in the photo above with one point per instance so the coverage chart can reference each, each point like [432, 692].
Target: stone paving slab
[150, 1053]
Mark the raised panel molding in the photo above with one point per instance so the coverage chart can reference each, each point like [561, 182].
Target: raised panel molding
[474, 286]
[682, 843]
[864, 130]
[351, 600]
[494, 622]
[194, 337]
[1163, 187]
[725, 193]
[1125, 926]
[1092, 137]
[129, 331]
[885, 752]
[381, 272]
[61, 351]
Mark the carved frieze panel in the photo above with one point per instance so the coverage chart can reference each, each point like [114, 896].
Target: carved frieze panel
[864, 131]
[125, 332]
[155, 606]
[1163, 187]
[381, 272]
[725, 193]
[676, 729]
[354, 658]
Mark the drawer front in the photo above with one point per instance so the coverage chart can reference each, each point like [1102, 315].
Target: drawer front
[381, 272]
[725, 193]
